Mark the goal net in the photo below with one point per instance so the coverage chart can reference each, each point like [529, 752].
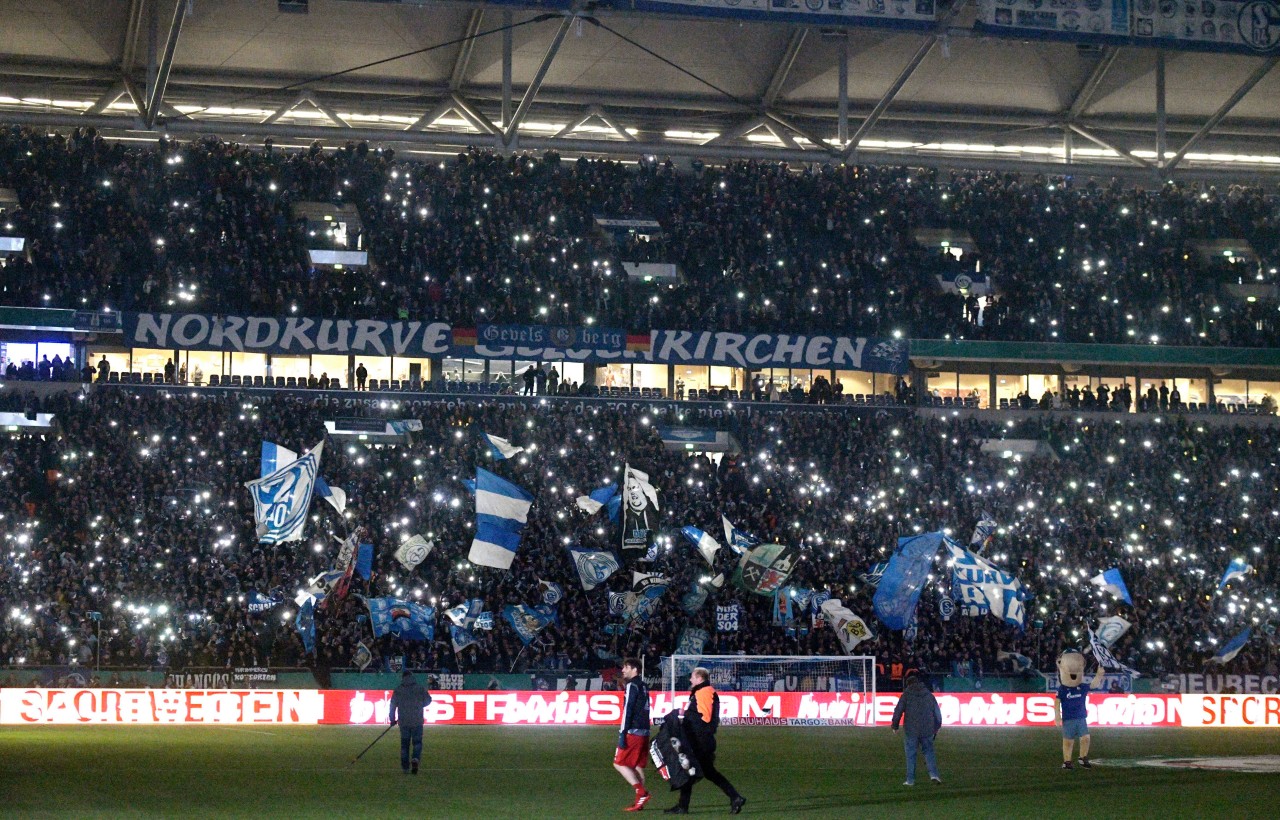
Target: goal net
[815, 690]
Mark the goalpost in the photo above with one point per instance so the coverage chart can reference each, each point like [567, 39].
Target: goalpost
[840, 690]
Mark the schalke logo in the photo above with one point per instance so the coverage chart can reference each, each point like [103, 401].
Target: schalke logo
[964, 281]
[561, 336]
[282, 501]
[593, 569]
[1259, 23]
[1110, 633]
[814, 5]
[416, 554]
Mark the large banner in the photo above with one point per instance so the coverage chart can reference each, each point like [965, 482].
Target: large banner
[374, 337]
[1235, 25]
[919, 14]
[578, 708]
[1089, 17]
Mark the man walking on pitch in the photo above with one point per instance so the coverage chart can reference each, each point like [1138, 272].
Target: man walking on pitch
[1071, 711]
[918, 712]
[408, 701]
[701, 719]
[633, 737]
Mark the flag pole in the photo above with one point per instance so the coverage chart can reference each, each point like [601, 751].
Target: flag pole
[517, 660]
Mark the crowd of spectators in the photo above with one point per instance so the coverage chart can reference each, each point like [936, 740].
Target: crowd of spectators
[137, 510]
[207, 226]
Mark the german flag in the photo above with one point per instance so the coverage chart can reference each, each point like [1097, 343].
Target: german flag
[465, 337]
[635, 341]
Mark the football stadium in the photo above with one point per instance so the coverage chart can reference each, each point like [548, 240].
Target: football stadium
[557, 408]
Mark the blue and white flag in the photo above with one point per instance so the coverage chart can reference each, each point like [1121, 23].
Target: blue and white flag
[469, 484]
[502, 510]
[281, 499]
[872, 576]
[691, 641]
[801, 597]
[306, 626]
[607, 497]
[594, 566]
[318, 587]
[900, 585]
[706, 545]
[500, 448]
[484, 621]
[362, 657]
[550, 591]
[256, 602]
[274, 457]
[693, 600]
[1112, 583]
[414, 551]
[405, 619]
[364, 562]
[737, 540]
[727, 618]
[1019, 662]
[527, 621]
[1232, 647]
[1102, 653]
[461, 638]
[983, 532]
[617, 603]
[646, 589]
[466, 613]
[1238, 568]
[982, 587]
[1112, 629]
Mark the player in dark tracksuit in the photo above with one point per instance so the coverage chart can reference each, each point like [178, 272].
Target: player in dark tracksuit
[701, 719]
[407, 702]
[633, 737]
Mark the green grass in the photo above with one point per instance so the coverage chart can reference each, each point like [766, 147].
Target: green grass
[522, 772]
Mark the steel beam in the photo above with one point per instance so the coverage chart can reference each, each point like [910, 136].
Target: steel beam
[1084, 96]
[463, 61]
[1219, 115]
[509, 128]
[326, 109]
[507, 47]
[1162, 119]
[473, 115]
[135, 95]
[431, 116]
[132, 33]
[155, 94]
[842, 102]
[783, 69]
[738, 131]
[609, 120]
[577, 123]
[1103, 143]
[818, 142]
[889, 95]
[108, 98]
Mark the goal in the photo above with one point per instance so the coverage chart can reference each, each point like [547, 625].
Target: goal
[818, 690]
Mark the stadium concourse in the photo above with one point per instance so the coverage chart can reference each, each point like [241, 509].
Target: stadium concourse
[136, 509]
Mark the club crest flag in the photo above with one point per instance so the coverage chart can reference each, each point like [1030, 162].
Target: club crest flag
[983, 532]
[502, 510]
[1112, 583]
[691, 641]
[306, 626]
[982, 587]
[617, 603]
[872, 576]
[281, 499]
[646, 589]
[899, 590]
[594, 566]
[406, 620]
[1103, 653]
[413, 551]
[274, 457]
[550, 591]
[362, 657]
[1238, 568]
[1111, 630]
[849, 628]
[500, 448]
[737, 540]
[706, 545]
[461, 638]
[527, 621]
[1232, 647]
[765, 568]
[639, 512]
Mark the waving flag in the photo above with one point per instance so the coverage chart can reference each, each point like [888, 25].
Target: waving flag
[765, 568]
[466, 613]
[706, 545]
[461, 638]
[362, 657]
[1112, 629]
[256, 602]
[1232, 647]
[983, 532]
[500, 448]
[414, 551]
[900, 585]
[594, 566]
[550, 591]
[273, 457]
[1112, 583]
[281, 498]
[1105, 659]
[872, 576]
[606, 497]
[1238, 568]
[639, 511]
[617, 603]
[484, 621]
[306, 626]
[646, 589]
[318, 587]
[982, 587]
[782, 608]
[850, 629]
[406, 620]
[502, 509]
[1019, 662]
[527, 621]
[693, 600]
[737, 540]
[364, 562]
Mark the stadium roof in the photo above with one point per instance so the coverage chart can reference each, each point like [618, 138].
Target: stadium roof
[622, 82]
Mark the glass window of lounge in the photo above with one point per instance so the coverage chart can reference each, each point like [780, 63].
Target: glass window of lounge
[730, 377]
[404, 368]
[974, 386]
[201, 364]
[153, 360]
[857, 383]
[1231, 391]
[1261, 391]
[574, 372]
[244, 364]
[335, 367]
[614, 375]
[298, 367]
[943, 385]
[1008, 387]
[117, 358]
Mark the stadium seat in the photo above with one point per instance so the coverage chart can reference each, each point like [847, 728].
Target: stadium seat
[113, 377]
[214, 378]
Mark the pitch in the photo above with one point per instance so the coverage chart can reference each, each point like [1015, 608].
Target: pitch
[524, 772]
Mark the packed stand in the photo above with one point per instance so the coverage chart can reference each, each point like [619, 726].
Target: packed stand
[481, 238]
[138, 511]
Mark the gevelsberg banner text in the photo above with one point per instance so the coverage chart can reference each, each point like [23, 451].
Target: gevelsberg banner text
[419, 339]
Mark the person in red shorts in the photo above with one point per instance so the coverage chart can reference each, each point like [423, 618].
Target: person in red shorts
[633, 737]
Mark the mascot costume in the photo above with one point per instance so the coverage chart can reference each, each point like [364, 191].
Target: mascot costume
[1073, 706]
